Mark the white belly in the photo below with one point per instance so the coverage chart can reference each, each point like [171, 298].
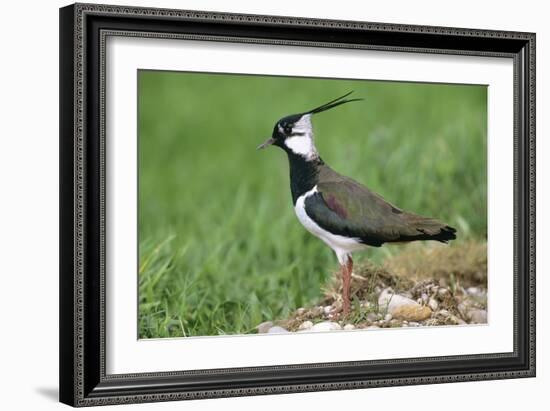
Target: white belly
[342, 246]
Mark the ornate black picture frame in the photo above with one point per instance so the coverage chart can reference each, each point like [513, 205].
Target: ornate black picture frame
[83, 30]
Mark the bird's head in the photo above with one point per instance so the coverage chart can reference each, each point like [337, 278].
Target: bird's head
[295, 133]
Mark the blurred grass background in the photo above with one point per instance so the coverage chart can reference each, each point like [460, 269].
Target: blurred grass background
[220, 247]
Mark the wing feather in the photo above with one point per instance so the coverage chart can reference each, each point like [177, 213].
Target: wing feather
[345, 207]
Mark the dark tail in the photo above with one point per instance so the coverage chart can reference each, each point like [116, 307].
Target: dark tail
[445, 234]
[429, 229]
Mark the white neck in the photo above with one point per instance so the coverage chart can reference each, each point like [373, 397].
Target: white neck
[302, 144]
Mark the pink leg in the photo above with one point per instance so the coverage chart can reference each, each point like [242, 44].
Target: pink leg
[346, 282]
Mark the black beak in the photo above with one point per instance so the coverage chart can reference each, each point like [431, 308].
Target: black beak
[266, 143]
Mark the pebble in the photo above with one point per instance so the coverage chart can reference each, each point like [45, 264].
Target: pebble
[463, 309]
[277, 330]
[432, 303]
[451, 319]
[455, 320]
[326, 326]
[401, 307]
[442, 292]
[472, 290]
[327, 309]
[424, 298]
[372, 327]
[477, 316]
[317, 311]
[264, 327]
[443, 313]
[349, 327]
[306, 325]
[372, 317]
[300, 311]
[388, 317]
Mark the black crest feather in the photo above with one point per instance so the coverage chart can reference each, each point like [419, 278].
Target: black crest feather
[333, 103]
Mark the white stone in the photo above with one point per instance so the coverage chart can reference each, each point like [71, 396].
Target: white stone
[264, 327]
[372, 317]
[326, 326]
[349, 327]
[277, 330]
[306, 325]
[478, 316]
[443, 313]
[402, 307]
[432, 303]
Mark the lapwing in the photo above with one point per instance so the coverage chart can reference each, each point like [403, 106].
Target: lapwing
[344, 214]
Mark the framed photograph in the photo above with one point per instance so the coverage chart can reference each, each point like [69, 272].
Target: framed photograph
[261, 204]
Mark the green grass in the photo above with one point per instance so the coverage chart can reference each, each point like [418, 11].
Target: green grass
[220, 247]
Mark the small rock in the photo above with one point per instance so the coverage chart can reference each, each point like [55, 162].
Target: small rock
[463, 309]
[367, 305]
[317, 311]
[424, 298]
[277, 330]
[477, 316]
[372, 327]
[327, 309]
[443, 313]
[472, 290]
[442, 292]
[306, 325]
[455, 320]
[388, 317]
[264, 327]
[349, 327]
[452, 319]
[403, 308]
[326, 326]
[300, 311]
[372, 317]
[414, 324]
[432, 303]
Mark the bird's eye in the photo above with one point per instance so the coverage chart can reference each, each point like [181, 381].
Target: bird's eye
[288, 129]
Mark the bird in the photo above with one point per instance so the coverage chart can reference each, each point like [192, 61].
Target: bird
[340, 211]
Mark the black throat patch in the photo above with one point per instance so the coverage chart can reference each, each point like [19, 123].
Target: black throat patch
[303, 174]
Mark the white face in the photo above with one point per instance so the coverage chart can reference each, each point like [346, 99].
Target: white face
[302, 142]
